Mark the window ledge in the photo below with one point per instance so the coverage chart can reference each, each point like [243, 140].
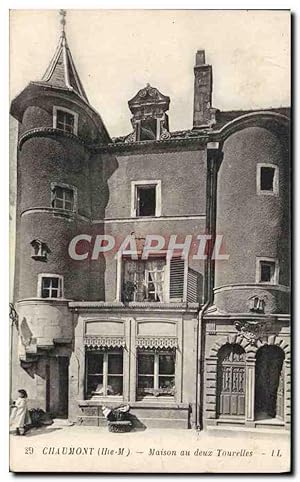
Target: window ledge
[115, 401]
[47, 132]
[37, 300]
[134, 305]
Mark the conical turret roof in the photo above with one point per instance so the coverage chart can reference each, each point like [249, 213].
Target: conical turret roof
[62, 72]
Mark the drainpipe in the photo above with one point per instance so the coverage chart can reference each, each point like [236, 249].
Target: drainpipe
[214, 159]
[199, 364]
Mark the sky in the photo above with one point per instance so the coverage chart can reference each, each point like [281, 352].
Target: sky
[117, 52]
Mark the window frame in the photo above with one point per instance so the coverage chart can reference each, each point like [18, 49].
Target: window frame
[275, 190]
[156, 374]
[134, 198]
[56, 109]
[138, 128]
[63, 185]
[128, 254]
[275, 277]
[105, 352]
[60, 278]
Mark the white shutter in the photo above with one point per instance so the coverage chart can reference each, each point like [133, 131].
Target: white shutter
[177, 272]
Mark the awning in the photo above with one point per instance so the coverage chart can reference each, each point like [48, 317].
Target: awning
[157, 342]
[104, 341]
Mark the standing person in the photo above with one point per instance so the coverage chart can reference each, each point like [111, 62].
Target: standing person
[20, 417]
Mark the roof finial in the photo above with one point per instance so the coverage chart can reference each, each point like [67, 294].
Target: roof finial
[63, 14]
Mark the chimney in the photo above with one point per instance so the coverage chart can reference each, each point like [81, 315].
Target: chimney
[204, 114]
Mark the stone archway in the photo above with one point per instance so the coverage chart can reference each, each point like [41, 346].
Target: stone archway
[231, 375]
[269, 383]
[251, 345]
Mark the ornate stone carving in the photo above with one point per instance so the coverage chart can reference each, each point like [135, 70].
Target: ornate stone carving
[156, 342]
[164, 134]
[151, 96]
[104, 341]
[130, 137]
[254, 330]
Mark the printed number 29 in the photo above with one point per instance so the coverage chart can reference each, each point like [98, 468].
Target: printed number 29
[28, 450]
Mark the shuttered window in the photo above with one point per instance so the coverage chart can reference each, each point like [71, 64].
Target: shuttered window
[177, 272]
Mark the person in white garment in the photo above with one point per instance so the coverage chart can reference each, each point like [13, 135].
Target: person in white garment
[20, 416]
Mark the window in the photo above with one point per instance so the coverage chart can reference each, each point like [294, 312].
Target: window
[267, 271]
[65, 120]
[156, 279]
[156, 373]
[144, 280]
[50, 286]
[104, 373]
[63, 196]
[267, 179]
[145, 198]
[148, 129]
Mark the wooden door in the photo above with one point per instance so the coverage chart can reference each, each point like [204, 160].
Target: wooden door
[231, 381]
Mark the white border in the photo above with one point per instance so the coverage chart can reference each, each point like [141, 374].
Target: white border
[4, 92]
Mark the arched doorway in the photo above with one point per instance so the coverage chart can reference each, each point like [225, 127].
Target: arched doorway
[231, 381]
[269, 383]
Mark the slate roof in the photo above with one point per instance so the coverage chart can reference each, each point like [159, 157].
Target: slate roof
[62, 72]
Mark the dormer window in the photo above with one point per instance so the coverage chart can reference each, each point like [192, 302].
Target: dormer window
[40, 250]
[150, 121]
[65, 120]
[148, 130]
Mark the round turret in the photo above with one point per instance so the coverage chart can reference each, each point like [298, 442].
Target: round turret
[253, 217]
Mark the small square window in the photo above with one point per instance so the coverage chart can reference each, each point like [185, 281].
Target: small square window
[65, 120]
[62, 198]
[267, 271]
[267, 178]
[145, 198]
[50, 286]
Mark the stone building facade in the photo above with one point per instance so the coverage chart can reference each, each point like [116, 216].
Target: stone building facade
[187, 341]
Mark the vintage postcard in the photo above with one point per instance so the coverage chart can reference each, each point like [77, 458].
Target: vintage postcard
[150, 241]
